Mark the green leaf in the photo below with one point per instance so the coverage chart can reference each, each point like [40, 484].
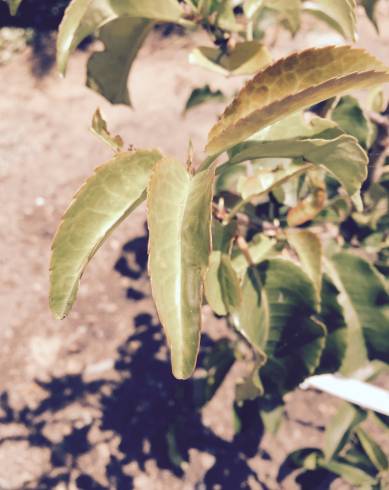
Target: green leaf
[252, 317]
[245, 59]
[223, 236]
[341, 156]
[308, 208]
[364, 298]
[372, 450]
[83, 17]
[350, 117]
[289, 10]
[348, 472]
[108, 70]
[250, 387]
[103, 202]
[296, 339]
[291, 84]
[338, 14]
[13, 6]
[179, 216]
[222, 288]
[331, 314]
[100, 129]
[259, 249]
[339, 429]
[309, 250]
[202, 95]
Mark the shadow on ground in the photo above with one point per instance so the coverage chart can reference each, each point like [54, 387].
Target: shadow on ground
[139, 412]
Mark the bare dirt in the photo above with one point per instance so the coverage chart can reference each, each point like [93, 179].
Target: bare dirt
[86, 403]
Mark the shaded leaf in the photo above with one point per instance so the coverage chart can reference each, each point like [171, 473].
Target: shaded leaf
[348, 472]
[350, 117]
[339, 428]
[259, 248]
[309, 250]
[100, 129]
[338, 14]
[364, 299]
[289, 10]
[222, 288]
[372, 450]
[105, 200]
[370, 7]
[108, 70]
[331, 313]
[291, 84]
[296, 339]
[244, 59]
[222, 236]
[202, 95]
[179, 217]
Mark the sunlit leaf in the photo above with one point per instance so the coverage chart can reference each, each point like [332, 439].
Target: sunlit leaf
[289, 10]
[108, 70]
[372, 450]
[291, 84]
[307, 209]
[83, 17]
[105, 200]
[338, 14]
[179, 214]
[252, 317]
[309, 250]
[202, 95]
[244, 59]
[341, 156]
[339, 428]
[100, 128]
[365, 300]
[222, 288]
[13, 6]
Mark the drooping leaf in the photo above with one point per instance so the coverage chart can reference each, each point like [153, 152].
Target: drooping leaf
[108, 70]
[309, 250]
[222, 288]
[83, 17]
[364, 299]
[350, 117]
[251, 319]
[291, 84]
[296, 339]
[100, 129]
[372, 450]
[338, 14]
[288, 10]
[339, 428]
[202, 95]
[331, 314]
[105, 200]
[245, 59]
[179, 214]
[341, 156]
